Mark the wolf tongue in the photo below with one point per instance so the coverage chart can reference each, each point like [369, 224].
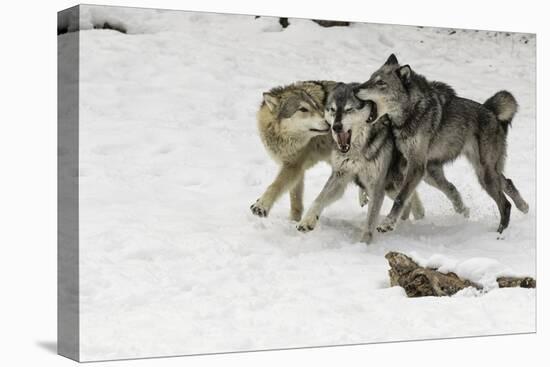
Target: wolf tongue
[343, 138]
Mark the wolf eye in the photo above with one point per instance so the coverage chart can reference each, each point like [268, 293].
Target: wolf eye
[303, 109]
[380, 83]
[348, 110]
[332, 109]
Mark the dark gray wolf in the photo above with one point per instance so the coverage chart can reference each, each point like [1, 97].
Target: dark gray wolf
[364, 155]
[432, 126]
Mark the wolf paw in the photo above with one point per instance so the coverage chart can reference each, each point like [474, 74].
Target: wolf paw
[307, 224]
[387, 225]
[258, 209]
[523, 207]
[465, 212]
[418, 213]
[367, 237]
[405, 215]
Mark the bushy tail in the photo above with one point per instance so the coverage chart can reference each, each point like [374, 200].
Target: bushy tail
[504, 106]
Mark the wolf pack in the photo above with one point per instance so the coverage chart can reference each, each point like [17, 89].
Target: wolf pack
[386, 136]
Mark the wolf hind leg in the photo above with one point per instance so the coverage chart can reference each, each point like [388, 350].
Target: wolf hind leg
[487, 163]
[363, 197]
[392, 193]
[415, 172]
[377, 198]
[416, 206]
[510, 189]
[435, 176]
[406, 212]
[491, 182]
[297, 199]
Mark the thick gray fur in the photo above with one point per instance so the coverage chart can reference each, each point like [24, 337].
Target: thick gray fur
[370, 162]
[432, 126]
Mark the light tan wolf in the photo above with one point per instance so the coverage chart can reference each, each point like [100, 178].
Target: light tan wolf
[293, 128]
[294, 131]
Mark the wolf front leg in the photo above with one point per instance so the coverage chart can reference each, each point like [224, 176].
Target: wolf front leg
[415, 173]
[332, 191]
[287, 177]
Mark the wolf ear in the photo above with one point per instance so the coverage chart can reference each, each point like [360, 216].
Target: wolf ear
[404, 73]
[392, 60]
[271, 101]
[307, 97]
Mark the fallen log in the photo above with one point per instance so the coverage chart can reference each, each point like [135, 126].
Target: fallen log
[419, 281]
[509, 282]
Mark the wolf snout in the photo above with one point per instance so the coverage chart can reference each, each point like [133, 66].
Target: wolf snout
[337, 127]
[360, 92]
[357, 88]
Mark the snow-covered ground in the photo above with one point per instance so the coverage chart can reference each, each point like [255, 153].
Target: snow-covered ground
[171, 259]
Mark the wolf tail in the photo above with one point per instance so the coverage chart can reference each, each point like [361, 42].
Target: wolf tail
[504, 106]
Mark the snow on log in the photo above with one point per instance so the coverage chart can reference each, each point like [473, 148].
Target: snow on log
[419, 281]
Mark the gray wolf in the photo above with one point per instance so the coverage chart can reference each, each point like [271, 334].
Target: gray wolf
[294, 132]
[432, 126]
[364, 155]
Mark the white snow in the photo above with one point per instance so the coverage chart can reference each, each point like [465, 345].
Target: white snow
[172, 261]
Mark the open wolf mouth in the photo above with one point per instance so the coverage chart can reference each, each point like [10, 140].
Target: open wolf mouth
[344, 141]
[373, 112]
[344, 137]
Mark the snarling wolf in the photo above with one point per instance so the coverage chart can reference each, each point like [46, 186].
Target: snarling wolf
[365, 155]
[432, 126]
[294, 131]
